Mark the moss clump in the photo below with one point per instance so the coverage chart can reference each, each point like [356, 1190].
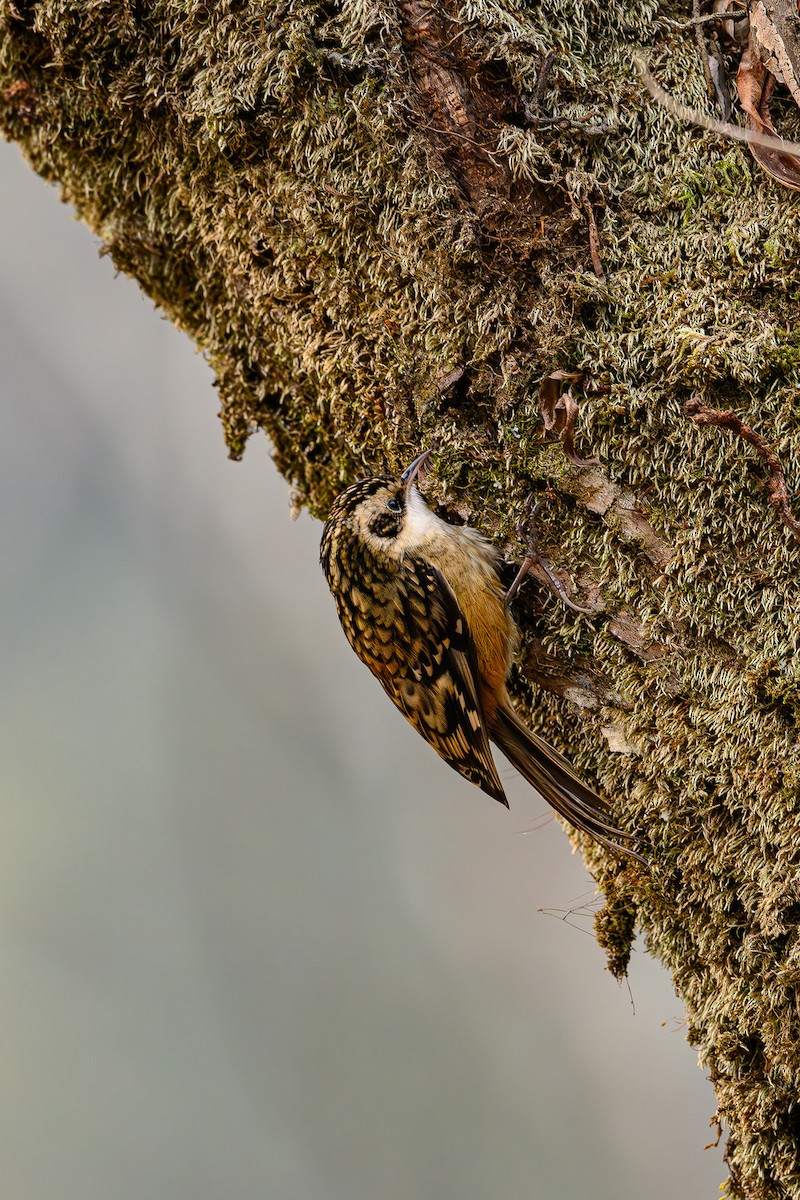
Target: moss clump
[615, 927]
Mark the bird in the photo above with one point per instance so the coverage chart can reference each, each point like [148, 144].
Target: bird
[422, 604]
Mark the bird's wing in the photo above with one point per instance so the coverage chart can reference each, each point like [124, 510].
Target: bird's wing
[415, 639]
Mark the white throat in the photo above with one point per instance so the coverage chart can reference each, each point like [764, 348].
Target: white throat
[421, 526]
[425, 533]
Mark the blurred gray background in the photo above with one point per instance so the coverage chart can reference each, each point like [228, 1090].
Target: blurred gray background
[256, 940]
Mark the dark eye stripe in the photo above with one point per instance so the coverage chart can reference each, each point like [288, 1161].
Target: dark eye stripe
[385, 525]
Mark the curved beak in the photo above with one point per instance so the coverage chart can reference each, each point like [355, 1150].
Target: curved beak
[411, 472]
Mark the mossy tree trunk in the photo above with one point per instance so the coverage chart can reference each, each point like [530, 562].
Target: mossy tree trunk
[385, 223]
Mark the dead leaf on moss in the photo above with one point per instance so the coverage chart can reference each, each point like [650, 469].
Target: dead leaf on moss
[549, 395]
[772, 54]
[755, 85]
[752, 136]
[559, 411]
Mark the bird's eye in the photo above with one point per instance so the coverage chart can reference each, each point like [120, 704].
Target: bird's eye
[394, 505]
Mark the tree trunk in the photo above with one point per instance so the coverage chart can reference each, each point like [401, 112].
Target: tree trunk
[385, 224]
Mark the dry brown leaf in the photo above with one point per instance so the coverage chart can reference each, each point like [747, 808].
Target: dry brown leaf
[755, 85]
[559, 412]
[550, 390]
[752, 136]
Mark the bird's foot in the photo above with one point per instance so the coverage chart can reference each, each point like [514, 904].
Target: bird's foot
[533, 559]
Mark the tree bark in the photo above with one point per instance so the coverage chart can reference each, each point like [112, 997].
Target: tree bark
[385, 224]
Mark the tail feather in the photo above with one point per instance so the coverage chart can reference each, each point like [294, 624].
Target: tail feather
[552, 776]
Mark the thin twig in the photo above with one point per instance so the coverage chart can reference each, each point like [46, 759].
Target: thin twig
[718, 17]
[775, 487]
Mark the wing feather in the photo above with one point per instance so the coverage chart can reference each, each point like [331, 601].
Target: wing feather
[411, 633]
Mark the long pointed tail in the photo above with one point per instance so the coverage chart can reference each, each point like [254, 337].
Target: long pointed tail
[554, 778]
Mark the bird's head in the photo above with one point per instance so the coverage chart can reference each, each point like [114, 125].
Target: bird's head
[386, 513]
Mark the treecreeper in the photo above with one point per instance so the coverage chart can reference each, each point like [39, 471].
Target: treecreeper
[422, 603]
